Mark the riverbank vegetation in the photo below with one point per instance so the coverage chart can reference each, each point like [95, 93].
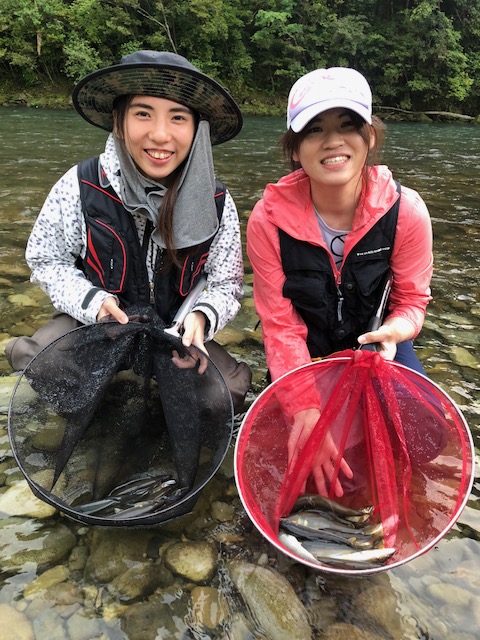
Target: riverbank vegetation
[419, 55]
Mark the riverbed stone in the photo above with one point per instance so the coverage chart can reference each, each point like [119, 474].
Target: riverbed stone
[49, 624]
[7, 384]
[25, 541]
[194, 560]
[114, 551]
[222, 511]
[272, 601]
[380, 604]
[136, 582]
[19, 500]
[450, 594]
[156, 618]
[464, 358]
[209, 608]
[345, 631]
[22, 300]
[15, 625]
[46, 580]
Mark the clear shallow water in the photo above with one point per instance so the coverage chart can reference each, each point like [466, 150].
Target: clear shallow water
[440, 161]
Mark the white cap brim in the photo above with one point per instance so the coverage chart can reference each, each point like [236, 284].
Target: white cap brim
[304, 117]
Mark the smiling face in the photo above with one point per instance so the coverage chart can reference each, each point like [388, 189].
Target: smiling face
[332, 151]
[158, 134]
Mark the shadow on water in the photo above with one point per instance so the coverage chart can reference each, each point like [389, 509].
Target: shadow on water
[60, 579]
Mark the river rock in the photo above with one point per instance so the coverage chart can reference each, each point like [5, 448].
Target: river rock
[273, 603]
[114, 551]
[19, 500]
[162, 616]
[209, 608]
[7, 384]
[49, 624]
[222, 511]
[451, 594]
[344, 631]
[380, 604]
[15, 625]
[464, 358]
[195, 561]
[22, 300]
[137, 582]
[23, 541]
[49, 578]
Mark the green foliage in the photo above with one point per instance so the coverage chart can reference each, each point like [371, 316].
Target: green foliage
[417, 54]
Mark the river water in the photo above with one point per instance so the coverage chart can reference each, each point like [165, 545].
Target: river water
[433, 597]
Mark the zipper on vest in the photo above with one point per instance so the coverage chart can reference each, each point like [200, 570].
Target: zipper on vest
[146, 240]
[340, 300]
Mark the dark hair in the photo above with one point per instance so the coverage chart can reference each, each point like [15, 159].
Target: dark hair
[165, 214]
[290, 141]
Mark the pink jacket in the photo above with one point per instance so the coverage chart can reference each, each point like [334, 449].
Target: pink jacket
[288, 205]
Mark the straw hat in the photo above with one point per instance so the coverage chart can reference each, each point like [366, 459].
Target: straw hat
[161, 74]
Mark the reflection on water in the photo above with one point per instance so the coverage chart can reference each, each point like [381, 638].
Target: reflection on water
[441, 161]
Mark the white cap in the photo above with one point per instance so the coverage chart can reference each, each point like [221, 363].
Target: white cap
[324, 89]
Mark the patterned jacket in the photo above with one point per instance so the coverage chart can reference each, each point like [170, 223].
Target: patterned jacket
[58, 238]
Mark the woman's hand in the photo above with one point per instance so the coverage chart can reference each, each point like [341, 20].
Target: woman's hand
[325, 461]
[388, 335]
[110, 308]
[193, 333]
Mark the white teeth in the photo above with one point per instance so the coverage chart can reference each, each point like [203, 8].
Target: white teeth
[159, 155]
[336, 160]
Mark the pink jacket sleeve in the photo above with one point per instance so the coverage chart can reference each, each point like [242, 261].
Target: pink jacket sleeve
[284, 332]
[412, 261]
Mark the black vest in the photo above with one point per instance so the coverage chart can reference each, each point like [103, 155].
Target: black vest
[336, 314]
[116, 262]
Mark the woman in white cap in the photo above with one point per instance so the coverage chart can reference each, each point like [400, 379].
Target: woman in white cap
[324, 238]
[141, 223]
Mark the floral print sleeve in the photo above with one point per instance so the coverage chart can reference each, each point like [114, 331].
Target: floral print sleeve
[56, 241]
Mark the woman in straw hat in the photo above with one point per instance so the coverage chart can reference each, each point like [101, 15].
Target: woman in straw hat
[145, 220]
[322, 240]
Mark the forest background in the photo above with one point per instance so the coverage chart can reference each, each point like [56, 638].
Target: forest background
[419, 55]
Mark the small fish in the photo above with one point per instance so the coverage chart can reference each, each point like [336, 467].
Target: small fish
[315, 501]
[325, 552]
[307, 533]
[97, 506]
[141, 483]
[316, 520]
[292, 543]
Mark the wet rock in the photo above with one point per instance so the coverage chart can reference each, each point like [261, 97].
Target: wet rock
[113, 552]
[19, 500]
[464, 358]
[48, 579]
[344, 631]
[78, 559]
[49, 624]
[22, 300]
[81, 627]
[29, 541]
[274, 605]
[209, 608]
[156, 618]
[137, 582]
[222, 511]
[451, 594]
[380, 604]
[7, 384]
[195, 561]
[15, 625]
